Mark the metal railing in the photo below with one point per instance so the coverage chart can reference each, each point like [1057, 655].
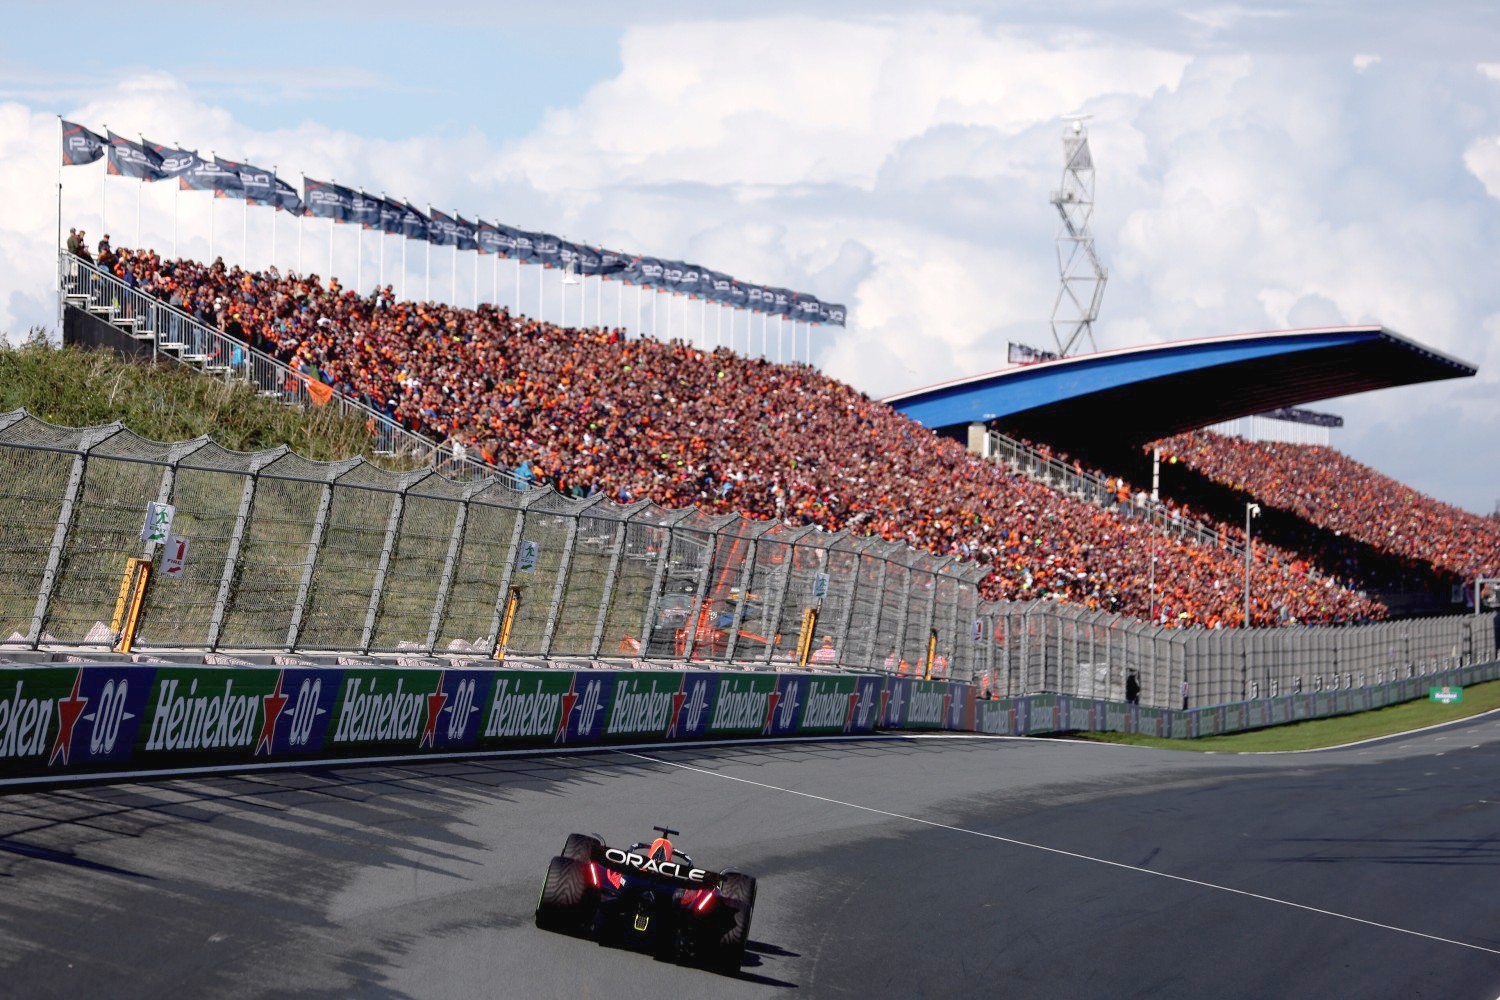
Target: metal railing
[174, 334]
[290, 554]
[1095, 489]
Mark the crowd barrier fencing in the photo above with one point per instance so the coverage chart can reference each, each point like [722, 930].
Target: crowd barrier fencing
[289, 554]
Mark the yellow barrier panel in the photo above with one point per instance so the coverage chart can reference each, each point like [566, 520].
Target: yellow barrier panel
[128, 608]
[805, 637]
[512, 605]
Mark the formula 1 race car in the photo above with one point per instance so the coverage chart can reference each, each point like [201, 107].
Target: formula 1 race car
[651, 897]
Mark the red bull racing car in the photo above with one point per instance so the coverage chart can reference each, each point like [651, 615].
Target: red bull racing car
[650, 897]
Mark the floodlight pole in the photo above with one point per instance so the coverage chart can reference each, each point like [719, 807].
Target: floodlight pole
[1080, 273]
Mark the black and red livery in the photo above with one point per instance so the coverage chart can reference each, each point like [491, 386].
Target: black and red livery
[650, 896]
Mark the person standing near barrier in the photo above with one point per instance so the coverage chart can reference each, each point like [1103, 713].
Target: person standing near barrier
[825, 653]
[1132, 689]
[1184, 694]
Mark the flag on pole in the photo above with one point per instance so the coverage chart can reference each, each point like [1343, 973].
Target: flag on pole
[391, 215]
[282, 196]
[257, 184]
[327, 201]
[172, 162]
[442, 231]
[464, 234]
[80, 146]
[364, 210]
[414, 225]
[133, 159]
[211, 175]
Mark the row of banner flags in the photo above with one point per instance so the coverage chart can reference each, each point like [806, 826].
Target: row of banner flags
[148, 161]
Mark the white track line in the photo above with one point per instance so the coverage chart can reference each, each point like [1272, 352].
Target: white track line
[1067, 854]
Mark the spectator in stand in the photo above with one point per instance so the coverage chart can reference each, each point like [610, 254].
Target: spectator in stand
[825, 654]
[589, 410]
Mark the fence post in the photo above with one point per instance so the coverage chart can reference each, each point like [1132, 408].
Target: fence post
[773, 620]
[701, 597]
[91, 439]
[550, 628]
[392, 530]
[662, 558]
[503, 594]
[314, 548]
[237, 540]
[610, 575]
[450, 564]
[841, 635]
[747, 580]
[879, 609]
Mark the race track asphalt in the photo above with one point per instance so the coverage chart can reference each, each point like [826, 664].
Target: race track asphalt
[928, 867]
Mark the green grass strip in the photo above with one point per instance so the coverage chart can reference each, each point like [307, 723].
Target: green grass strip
[1314, 733]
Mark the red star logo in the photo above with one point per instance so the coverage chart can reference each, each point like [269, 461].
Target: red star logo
[435, 703]
[771, 700]
[885, 699]
[677, 702]
[68, 711]
[273, 703]
[849, 715]
[568, 701]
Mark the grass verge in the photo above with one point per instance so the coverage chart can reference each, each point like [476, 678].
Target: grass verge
[1315, 733]
[169, 402]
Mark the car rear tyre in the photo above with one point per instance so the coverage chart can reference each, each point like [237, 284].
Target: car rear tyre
[581, 847]
[738, 893]
[566, 903]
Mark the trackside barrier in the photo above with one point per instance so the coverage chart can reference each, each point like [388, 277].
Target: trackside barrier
[71, 721]
[1035, 715]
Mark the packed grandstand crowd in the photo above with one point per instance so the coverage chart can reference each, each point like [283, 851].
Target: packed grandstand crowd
[589, 411]
[1347, 500]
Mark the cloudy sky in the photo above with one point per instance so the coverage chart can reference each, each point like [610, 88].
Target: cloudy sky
[1259, 167]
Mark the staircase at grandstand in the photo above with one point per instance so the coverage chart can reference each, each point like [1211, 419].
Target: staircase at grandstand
[176, 336]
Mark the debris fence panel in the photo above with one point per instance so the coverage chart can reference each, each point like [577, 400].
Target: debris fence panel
[289, 554]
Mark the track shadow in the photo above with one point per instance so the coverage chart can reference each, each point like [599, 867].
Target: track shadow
[48, 854]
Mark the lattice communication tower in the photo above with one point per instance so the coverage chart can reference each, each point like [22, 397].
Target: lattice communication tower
[1081, 275]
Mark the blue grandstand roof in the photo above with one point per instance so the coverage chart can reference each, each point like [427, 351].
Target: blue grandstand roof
[1139, 394]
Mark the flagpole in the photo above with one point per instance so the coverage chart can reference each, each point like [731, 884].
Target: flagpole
[518, 285]
[176, 200]
[300, 220]
[138, 193]
[275, 211]
[104, 185]
[245, 232]
[495, 267]
[381, 230]
[359, 252]
[453, 268]
[476, 279]
[427, 292]
[213, 201]
[61, 140]
[541, 294]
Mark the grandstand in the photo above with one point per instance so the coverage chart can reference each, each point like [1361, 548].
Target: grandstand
[590, 412]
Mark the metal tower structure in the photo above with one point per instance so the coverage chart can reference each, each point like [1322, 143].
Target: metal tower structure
[1081, 275]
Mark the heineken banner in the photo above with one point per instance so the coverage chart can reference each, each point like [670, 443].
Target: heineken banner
[57, 721]
[62, 721]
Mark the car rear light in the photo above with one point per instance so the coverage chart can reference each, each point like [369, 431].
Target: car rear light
[594, 874]
[706, 900]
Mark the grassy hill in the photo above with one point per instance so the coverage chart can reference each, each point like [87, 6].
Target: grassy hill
[168, 402]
